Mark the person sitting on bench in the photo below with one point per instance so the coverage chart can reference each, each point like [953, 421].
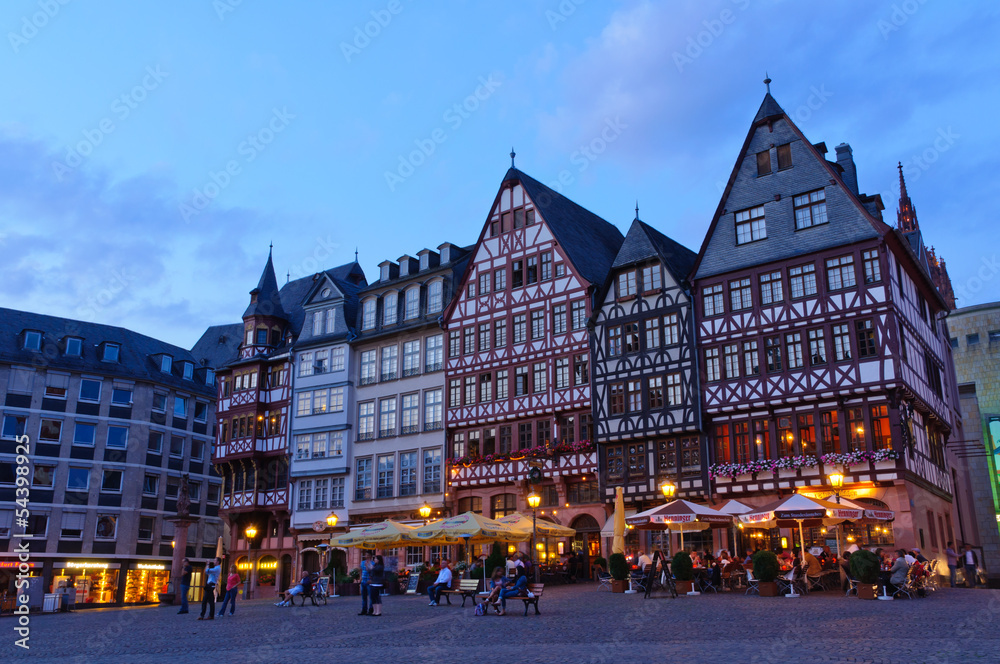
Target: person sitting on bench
[443, 583]
[304, 586]
[518, 589]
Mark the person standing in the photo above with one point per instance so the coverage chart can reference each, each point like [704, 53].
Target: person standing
[185, 584]
[971, 564]
[232, 589]
[365, 582]
[952, 555]
[375, 583]
[212, 573]
[443, 582]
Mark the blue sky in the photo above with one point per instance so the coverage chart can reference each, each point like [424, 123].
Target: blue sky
[149, 152]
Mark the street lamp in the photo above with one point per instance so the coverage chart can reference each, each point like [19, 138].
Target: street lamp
[668, 490]
[837, 482]
[534, 500]
[332, 520]
[251, 532]
[424, 511]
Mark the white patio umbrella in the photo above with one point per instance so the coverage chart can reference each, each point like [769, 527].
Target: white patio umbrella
[734, 508]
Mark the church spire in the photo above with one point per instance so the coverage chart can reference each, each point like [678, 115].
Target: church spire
[265, 300]
[906, 214]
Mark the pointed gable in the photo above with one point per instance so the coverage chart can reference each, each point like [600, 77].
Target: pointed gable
[590, 242]
[848, 218]
[265, 300]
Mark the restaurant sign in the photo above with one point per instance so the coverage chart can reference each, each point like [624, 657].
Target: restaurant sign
[80, 565]
[882, 515]
[13, 564]
[156, 566]
[800, 514]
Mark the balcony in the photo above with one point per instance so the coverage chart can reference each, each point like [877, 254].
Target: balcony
[575, 459]
[807, 471]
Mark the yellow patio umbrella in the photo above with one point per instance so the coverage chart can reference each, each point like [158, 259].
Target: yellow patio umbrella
[470, 528]
[385, 535]
[618, 543]
[546, 528]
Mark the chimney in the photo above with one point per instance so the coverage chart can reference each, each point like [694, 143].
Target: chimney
[845, 158]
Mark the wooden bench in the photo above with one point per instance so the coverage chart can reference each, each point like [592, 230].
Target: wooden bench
[536, 590]
[467, 588]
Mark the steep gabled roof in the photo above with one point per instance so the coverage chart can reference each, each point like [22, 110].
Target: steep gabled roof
[851, 219]
[678, 258]
[265, 299]
[590, 242]
[218, 345]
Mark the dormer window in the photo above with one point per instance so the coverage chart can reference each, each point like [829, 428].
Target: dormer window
[166, 363]
[261, 334]
[390, 305]
[368, 315]
[32, 340]
[74, 347]
[110, 352]
[187, 370]
[209, 377]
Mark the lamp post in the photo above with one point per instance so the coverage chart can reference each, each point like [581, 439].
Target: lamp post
[250, 532]
[534, 500]
[837, 482]
[424, 511]
[668, 489]
[331, 521]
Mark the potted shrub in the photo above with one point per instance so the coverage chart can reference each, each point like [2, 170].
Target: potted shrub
[683, 571]
[392, 583]
[766, 569]
[865, 567]
[619, 572]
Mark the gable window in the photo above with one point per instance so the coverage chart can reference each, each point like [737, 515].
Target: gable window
[532, 269]
[841, 343]
[784, 156]
[865, 333]
[712, 300]
[652, 278]
[810, 209]
[74, 346]
[802, 280]
[368, 315]
[546, 265]
[873, 272]
[390, 305]
[840, 272]
[739, 294]
[470, 290]
[32, 340]
[764, 163]
[412, 306]
[817, 346]
[435, 297]
[770, 288]
[559, 319]
[500, 279]
[750, 225]
[484, 283]
[578, 314]
[517, 274]
[751, 358]
[626, 284]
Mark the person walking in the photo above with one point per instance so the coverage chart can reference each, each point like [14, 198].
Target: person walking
[185, 584]
[365, 580]
[443, 582]
[232, 590]
[375, 583]
[971, 564]
[212, 573]
[952, 555]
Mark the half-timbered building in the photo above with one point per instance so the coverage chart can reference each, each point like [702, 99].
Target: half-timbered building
[647, 417]
[251, 454]
[823, 348]
[518, 367]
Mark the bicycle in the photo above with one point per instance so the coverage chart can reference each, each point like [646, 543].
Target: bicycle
[318, 594]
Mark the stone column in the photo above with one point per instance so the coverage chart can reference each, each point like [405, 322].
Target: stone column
[181, 524]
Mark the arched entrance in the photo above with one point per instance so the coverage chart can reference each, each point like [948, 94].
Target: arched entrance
[587, 540]
[286, 572]
[310, 560]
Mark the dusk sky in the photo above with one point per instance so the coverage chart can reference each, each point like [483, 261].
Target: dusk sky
[387, 125]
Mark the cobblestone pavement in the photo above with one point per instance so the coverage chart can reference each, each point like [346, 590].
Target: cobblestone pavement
[578, 624]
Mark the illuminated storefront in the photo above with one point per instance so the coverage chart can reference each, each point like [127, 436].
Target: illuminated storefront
[144, 583]
[96, 582]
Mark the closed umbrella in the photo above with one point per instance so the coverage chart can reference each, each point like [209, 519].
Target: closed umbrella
[219, 551]
[618, 543]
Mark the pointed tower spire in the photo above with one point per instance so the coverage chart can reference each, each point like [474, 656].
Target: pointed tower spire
[767, 82]
[637, 208]
[265, 299]
[355, 254]
[512, 155]
[906, 214]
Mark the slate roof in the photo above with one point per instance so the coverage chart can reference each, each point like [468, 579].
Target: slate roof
[218, 345]
[643, 242]
[135, 361]
[769, 108]
[267, 301]
[591, 242]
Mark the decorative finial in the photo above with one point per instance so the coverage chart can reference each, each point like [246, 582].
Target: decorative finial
[512, 154]
[288, 276]
[767, 82]
[637, 208]
[355, 254]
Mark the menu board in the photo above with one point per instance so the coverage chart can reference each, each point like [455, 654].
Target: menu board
[411, 587]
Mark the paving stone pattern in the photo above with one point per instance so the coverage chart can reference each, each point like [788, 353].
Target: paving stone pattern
[579, 624]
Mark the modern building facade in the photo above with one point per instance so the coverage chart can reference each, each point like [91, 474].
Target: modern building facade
[647, 414]
[518, 360]
[114, 421]
[975, 342]
[822, 340]
[399, 441]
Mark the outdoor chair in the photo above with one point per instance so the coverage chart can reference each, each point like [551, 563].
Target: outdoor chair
[785, 582]
[604, 579]
[752, 587]
[852, 587]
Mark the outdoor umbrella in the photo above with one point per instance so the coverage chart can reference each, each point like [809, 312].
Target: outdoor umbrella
[682, 516]
[219, 551]
[471, 527]
[802, 511]
[618, 543]
[734, 508]
[869, 515]
[546, 528]
[385, 535]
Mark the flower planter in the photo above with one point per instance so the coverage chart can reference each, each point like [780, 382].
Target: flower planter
[745, 477]
[768, 589]
[885, 465]
[684, 587]
[867, 591]
[618, 586]
[785, 473]
[764, 475]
